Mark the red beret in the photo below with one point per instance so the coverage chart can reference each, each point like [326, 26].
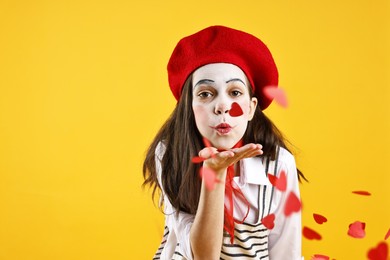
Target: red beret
[220, 44]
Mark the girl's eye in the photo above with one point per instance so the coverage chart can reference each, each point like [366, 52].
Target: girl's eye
[236, 93]
[204, 94]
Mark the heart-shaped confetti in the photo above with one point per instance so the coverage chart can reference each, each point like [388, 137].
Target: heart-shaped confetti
[380, 252]
[268, 221]
[356, 229]
[362, 192]
[235, 110]
[293, 204]
[311, 234]
[208, 177]
[276, 93]
[320, 257]
[197, 159]
[319, 218]
[387, 234]
[281, 182]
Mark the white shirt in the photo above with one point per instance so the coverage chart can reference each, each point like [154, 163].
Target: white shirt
[284, 239]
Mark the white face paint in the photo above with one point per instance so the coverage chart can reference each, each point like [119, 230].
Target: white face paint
[215, 87]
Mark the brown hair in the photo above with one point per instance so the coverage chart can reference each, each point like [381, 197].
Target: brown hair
[182, 141]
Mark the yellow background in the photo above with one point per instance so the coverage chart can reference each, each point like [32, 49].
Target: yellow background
[83, 90]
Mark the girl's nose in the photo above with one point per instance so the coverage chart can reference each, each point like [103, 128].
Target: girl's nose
[221, 108]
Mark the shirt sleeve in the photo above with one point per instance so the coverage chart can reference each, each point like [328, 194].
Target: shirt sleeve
[285, 239]
[178, 223]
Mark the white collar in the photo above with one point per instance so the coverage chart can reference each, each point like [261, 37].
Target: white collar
[252, 171]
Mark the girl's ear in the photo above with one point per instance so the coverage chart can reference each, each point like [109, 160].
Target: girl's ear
[252, 108]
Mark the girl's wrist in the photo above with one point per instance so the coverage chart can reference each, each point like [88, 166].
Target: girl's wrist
[220, 178]
[220, 175]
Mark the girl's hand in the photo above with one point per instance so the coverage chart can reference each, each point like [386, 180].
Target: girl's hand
[219, 161]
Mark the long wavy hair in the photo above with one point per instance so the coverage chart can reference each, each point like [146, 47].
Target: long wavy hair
[182, 141]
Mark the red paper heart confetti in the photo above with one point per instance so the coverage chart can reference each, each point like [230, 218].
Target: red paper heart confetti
[362, 192]
[276, 93]
[281, 182]
[319, 218]
[311, 234]
[387, 234]
[235, 110]
[356, 229]
[293, 204]
[197, 159]
[381, 252]
[320, 257]
[209, 178]
[268, 221]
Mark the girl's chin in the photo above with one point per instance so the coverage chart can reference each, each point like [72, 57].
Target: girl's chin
[224, 145]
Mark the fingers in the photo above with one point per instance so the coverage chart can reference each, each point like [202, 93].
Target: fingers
[247, 147]
[219, 160]
[257, 151]
[225, 156]
[236, 154]
[247, 151]
[207, 152]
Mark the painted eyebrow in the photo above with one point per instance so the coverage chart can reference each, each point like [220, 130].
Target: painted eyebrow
[212, 81]
[204, 81]
[236, 79]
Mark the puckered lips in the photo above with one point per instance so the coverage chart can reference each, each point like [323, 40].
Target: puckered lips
[223, 128]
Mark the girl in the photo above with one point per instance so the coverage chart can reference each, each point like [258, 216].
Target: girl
[211, 73]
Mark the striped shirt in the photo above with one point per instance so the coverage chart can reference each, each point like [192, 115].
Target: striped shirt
[252, 239]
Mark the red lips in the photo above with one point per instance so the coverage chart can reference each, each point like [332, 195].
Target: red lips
[223, 128]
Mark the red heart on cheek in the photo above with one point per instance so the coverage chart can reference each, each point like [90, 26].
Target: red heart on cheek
[293, 204]
[356, 229]
[268, 221]
[379, 253]
[235, 110]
